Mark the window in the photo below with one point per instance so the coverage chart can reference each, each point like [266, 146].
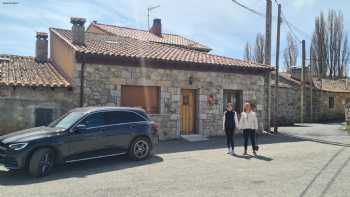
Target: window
[67, 120]
[146, 97]
[43, 116]
[235, 97]
[94, 120]
[118, 117]
[331, 102]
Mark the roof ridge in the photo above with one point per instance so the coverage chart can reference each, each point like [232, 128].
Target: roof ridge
[131, 28]
[138, 40]
[171, 34]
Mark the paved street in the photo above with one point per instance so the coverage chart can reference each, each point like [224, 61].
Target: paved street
[286, 167]
[331, 132]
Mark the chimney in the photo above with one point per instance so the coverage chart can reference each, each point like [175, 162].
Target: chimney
[296, 73]
[41, 47]
[156, 28]
[78, 30]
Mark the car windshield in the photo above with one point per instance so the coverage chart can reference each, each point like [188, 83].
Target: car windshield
[67, 120]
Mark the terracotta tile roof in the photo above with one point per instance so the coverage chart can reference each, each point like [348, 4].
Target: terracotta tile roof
[110, 45]
[288, 77]
[321, 84]
[25, 71]
[170, 39]
[330, 85]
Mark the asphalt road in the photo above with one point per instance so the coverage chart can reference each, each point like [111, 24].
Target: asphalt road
[328, 132]
[285, 167]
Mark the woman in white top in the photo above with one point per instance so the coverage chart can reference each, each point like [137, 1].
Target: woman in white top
[249, 124]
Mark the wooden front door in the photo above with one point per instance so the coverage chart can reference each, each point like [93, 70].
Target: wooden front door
[187, 111]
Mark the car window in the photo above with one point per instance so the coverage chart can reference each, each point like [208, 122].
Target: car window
[94, 120]
[67, 120]
[118, 117]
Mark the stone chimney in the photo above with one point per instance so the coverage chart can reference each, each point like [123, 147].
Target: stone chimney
[41, 47]
[156, 28]
[78, 30]
[296, 73]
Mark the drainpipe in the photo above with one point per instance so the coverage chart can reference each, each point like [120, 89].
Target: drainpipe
[82, 83]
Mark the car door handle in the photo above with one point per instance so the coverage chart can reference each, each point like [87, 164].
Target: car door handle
[132, 126]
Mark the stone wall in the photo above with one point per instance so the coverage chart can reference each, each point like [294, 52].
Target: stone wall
[347, 114]
[289, 104]
[103, 86]
[18, 105]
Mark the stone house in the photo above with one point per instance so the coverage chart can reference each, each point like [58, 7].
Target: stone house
[326, 103]
[177, 81]
[32, 90]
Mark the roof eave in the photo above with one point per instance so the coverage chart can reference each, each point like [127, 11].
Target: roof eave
[159, 63]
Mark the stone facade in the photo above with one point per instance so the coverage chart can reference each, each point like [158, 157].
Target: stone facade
[103, 87]
[347, 114]
[18, 105]
[289, 105]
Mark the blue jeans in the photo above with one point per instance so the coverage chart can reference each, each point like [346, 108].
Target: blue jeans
[229, 137]
[249, 133]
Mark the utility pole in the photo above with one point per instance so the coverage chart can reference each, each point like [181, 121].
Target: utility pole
[267, 61]
[268, 32]
[277, 68]
[149, 9]
[302, 82]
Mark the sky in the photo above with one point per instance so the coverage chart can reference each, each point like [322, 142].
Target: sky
[222, 25]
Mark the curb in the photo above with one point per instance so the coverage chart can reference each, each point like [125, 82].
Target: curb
[310, 139]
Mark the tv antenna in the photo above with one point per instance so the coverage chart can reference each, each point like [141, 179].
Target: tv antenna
[149, 9]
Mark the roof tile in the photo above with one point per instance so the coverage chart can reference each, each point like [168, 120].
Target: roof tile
[100, 44]
[25, 71]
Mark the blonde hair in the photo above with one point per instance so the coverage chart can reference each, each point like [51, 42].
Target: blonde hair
[247, 106]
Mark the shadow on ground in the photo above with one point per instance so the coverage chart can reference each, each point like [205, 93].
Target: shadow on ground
[76, 170]
[86, 168]
[174, 146]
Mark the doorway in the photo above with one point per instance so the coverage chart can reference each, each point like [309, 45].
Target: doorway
[187, 112]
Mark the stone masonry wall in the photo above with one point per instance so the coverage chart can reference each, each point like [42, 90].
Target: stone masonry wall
[103, 87]
[18, 105]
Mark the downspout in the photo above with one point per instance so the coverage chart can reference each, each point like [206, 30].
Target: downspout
[82, 83]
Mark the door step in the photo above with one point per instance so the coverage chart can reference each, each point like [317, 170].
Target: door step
[194, 138]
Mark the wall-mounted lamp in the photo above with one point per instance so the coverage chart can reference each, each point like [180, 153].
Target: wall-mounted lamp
[190, 80]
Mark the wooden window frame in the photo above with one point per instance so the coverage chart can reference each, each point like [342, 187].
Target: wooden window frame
[123, 89]
[234, 92]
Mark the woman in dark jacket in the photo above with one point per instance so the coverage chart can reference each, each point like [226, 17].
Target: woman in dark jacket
[230, 123]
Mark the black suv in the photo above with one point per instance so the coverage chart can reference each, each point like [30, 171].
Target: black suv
[81, 134]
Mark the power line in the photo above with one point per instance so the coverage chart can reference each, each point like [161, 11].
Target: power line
[249, 9]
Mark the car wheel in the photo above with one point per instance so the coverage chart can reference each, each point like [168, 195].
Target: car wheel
[140, 149]
[41, 162]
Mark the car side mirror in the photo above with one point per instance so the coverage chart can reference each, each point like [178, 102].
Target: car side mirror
[79, 128]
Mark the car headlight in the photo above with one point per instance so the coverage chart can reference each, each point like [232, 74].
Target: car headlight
[18, 146]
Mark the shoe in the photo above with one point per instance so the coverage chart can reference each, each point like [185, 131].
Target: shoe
[229, 151]
[254, 153]
[245, 152]
[233, 152]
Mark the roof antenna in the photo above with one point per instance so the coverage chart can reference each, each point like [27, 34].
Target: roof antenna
[149, 9]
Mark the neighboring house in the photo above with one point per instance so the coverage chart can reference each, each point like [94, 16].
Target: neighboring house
[325, 104]
[32, 90]
[176, 80]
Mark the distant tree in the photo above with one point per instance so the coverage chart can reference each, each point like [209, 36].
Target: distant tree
[259, 49]
[329, 47]
[248, 56]
[255, 53]
[290, 53]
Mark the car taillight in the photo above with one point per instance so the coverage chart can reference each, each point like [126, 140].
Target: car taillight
[155, 128]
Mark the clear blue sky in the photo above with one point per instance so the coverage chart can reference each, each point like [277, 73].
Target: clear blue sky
[220, 24]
